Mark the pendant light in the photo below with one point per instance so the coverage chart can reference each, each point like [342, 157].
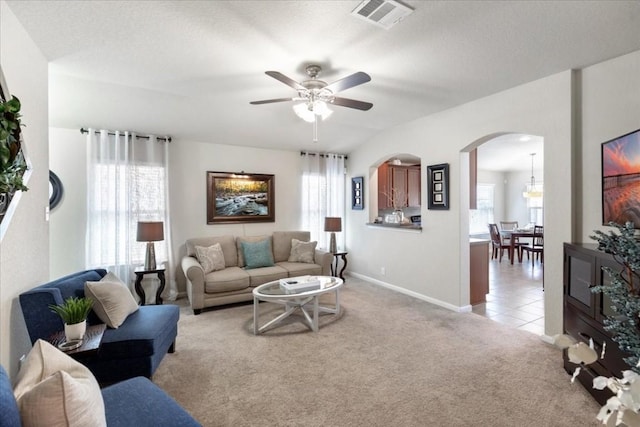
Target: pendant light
[532, 191]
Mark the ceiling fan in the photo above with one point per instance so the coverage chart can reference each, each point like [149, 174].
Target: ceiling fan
[316, 94]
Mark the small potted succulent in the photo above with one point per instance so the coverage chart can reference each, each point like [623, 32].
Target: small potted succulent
[74, 312]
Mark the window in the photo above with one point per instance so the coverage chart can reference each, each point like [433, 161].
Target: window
[534, 204]
[483, 215]
[139, 188]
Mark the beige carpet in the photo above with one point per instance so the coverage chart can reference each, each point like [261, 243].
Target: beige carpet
[389, 360]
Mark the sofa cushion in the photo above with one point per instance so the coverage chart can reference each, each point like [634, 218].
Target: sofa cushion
[227, 243]
[266, 274]
[229, 279]
[302, 251]
[112, 300]
[139, 402]
[257, 254]
[142, 334]
[8, 406]
[300, 268]
[211, 258]
[53, 389]
[282, 243]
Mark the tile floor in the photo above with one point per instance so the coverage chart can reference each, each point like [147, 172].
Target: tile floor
[515, 295]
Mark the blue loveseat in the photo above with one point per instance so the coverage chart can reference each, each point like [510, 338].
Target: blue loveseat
[135, 402]
[136, 348]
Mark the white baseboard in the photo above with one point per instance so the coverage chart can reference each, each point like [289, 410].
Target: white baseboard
[458, 309]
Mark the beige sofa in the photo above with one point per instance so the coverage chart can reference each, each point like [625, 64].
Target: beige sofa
[234, 283]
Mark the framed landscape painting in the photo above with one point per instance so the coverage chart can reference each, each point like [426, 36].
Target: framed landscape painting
[240, 197]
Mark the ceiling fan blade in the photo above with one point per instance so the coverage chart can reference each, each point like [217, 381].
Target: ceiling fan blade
[269, 101]
[352, 103]
[349, 82]
[284, 79]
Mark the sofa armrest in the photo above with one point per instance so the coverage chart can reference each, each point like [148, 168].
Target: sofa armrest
[40, 320]
[324, 259]
[139, 402]
[195, 282]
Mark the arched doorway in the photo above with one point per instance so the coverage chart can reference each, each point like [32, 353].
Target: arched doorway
[501, 171]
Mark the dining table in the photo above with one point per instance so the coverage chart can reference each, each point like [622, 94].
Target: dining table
[515, 235]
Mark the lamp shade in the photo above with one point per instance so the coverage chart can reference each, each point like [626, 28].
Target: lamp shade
[332, 224]
[150, 231]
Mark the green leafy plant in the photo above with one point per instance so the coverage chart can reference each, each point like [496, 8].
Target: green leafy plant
[12, 164]
[624, 289]
[624, 293]
[11, 177]
[73, 310]
[9, 131]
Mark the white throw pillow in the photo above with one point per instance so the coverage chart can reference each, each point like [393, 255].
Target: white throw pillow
[112, 300]
[52, 389]
[211, 258]
[302, 251]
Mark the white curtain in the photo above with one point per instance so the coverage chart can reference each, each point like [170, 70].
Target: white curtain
[127, 182]
[323, 194]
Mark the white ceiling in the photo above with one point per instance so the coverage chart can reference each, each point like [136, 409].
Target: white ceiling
[190, 68]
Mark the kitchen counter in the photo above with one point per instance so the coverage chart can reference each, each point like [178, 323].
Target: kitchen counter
[412, 227]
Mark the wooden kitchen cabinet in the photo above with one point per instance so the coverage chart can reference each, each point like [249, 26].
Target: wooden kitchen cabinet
[404, 179]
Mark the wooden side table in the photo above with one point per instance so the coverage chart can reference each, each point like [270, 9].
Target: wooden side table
[140, 272]
[90, 342]
[336, 260]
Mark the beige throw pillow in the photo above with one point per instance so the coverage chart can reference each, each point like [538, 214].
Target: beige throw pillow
[302, 251]
[211, 258]
[52, 389]
[112, 300]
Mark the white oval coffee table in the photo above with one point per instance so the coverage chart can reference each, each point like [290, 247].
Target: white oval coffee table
[293, 300]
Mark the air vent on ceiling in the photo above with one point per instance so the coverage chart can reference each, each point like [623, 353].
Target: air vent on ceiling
[384, 13]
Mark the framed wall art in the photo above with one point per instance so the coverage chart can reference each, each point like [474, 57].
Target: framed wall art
[240, 197]
[357, 193]
[438, 186]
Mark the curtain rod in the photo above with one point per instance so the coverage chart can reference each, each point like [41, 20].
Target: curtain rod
[161, 138]
[304, 153]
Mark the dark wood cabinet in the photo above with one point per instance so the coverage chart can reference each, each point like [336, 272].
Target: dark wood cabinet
[405, 180]
[584, 312]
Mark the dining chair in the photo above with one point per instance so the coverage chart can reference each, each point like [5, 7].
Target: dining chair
[497, 245]
[537, 248]
[506, 239]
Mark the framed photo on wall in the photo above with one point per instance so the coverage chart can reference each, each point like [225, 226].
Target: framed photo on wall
[438, 186]
[357, 193]
[240, 197]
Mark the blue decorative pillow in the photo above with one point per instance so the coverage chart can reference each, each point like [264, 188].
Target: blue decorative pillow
[257, 254]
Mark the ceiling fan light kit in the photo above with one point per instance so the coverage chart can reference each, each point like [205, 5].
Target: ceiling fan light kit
[316, 94]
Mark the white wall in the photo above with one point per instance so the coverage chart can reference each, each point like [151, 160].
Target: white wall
[610, 108]
[435, 263]
[68, 159]
[189, 162]
[24, 251]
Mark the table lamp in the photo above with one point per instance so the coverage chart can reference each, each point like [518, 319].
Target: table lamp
[332, 224]
[150, 231]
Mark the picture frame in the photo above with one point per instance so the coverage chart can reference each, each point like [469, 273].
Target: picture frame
[357, 193]
[240, 197]
[438, 186]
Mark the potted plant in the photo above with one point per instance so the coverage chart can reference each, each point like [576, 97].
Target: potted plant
[12, 164]
[624, 325]
[74, 312]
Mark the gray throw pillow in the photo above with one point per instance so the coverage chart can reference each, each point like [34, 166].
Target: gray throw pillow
[211, 258]
[302, 251]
